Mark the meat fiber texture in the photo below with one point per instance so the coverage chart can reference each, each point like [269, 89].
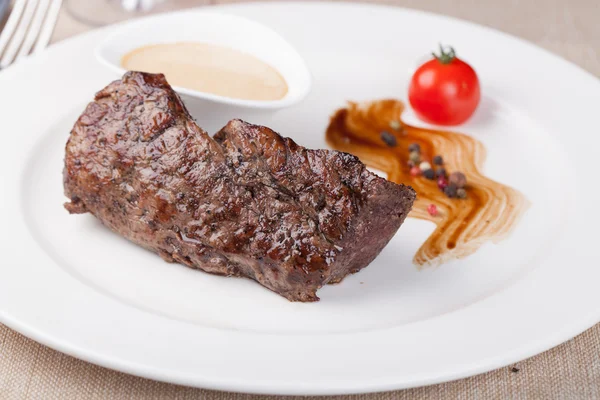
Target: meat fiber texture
[247, 202]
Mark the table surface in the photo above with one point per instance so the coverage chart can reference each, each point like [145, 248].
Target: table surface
[569, 371]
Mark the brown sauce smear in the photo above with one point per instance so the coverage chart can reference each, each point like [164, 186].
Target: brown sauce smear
[490, 210]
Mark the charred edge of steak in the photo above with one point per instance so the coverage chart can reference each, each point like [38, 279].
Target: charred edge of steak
[246, 203]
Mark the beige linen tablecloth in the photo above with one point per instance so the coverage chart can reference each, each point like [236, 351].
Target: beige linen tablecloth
[570, 28]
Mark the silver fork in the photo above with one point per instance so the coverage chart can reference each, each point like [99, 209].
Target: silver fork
[28, 29]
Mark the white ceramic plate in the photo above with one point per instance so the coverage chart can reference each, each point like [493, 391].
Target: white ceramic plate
[71, 284]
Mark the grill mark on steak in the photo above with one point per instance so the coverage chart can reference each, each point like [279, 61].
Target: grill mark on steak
[247, 202]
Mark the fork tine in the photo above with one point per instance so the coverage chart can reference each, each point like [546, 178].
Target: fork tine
[11, 24]
[34, 29]
[48, 27]
[17, 39]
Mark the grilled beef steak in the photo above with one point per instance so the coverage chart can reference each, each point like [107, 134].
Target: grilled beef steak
[246, 203]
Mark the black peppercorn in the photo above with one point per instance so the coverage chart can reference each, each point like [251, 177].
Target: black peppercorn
[416, 147]
[389, 139]
[451, 190]
[429, 174]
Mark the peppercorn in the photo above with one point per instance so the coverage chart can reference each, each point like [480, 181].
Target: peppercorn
[461, 193]
[432, 210]
[389, 139]
[459, 179]
[442, 182]
[414, 156]
[450, 190]
[395, 125]
[438, 160]
[440, 172]
[429, 174]
[415, 171]
[414, 147]
[424, 165]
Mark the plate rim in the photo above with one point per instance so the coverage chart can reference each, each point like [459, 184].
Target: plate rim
[586, 321]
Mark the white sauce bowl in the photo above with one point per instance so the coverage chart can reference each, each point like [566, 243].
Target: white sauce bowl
[213, 28]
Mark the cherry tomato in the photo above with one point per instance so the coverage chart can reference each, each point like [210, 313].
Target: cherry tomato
[445, 90]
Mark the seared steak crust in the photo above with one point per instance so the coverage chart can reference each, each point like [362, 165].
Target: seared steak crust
[246, 203]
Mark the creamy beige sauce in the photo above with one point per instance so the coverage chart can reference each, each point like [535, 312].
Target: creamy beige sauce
[491, 209]
[209, 68]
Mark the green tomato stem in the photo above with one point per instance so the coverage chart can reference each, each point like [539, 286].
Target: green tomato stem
[445, 57]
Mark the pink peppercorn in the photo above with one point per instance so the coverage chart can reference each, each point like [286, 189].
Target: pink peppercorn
[432, 210]
[442, 182]
[415, 171]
